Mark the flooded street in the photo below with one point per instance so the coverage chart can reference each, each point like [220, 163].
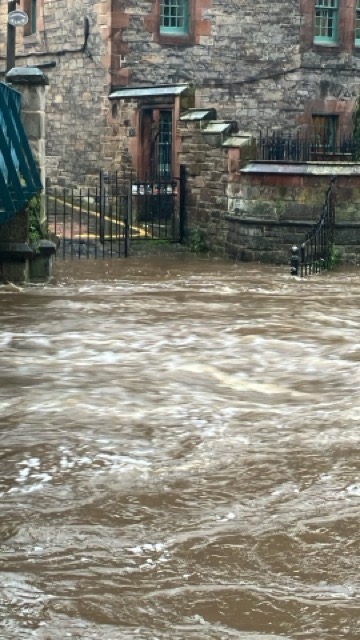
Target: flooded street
[179, 453]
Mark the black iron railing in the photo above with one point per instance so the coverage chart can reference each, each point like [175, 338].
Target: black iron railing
[306, 146]
[316, 252]
[100, 221]
[88, 223]
[154, 209]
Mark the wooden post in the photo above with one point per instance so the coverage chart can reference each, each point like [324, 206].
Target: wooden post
[11, 39]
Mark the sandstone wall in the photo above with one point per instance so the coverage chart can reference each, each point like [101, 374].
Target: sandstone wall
[243, 57]
[206, 185]
[254, 62]
[78, 118]
[238, 58]
[277, 211]
[253, 215]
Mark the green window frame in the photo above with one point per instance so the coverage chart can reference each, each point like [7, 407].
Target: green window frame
[174, 17]
[326, 20]
[30, 7]
[33, 16]
[357, 23]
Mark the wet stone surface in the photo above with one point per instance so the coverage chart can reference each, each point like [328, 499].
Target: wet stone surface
[179, 453]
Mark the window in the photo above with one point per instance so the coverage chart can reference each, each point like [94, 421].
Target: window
[156, 151]
[174, 17]
[357, 23]
[326, 21]
[163, 146]
[30, 7]
[325, 128]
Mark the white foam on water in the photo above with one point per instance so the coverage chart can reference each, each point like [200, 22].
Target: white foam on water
[23, 474]
[353, 490]
[33, 463]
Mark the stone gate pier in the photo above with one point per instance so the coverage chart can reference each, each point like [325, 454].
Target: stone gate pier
[22, 175]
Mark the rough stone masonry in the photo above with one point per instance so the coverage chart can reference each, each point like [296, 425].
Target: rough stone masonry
[255, 63]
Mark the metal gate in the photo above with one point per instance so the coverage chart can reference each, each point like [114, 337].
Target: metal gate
[88, 223]
[103, 221]
[316, 252]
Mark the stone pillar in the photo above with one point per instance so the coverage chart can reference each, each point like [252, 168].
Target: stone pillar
[31, 83]
[18, 261]
[14, 249]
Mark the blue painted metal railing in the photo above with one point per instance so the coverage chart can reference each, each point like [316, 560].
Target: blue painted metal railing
[19, 175]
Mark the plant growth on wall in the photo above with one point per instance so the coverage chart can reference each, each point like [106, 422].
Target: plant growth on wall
[357, 129]
[35, 229]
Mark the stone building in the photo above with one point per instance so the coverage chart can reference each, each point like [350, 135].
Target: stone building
[290, 64]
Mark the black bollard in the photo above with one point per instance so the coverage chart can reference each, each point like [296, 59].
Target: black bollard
[294, 262]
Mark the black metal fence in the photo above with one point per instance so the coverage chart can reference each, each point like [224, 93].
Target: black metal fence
[88, 223]
[101, 222]
[156, 209]
[307, 145]
[316, 251]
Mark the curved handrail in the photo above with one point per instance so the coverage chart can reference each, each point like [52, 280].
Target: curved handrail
[316, 250]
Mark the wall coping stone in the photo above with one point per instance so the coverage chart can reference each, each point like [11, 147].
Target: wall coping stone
[193, 115]
[15, 250]
[239, 140]
[45, 248]
[286, 223]
[27, 75]
[220, 126]
[303, 168]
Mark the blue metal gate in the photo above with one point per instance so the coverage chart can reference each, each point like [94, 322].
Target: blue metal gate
[19, 175]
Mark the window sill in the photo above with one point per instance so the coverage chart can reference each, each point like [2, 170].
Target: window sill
[31, 39]
[326, 43]
[177, 33]
[176, 39]
[327, 48]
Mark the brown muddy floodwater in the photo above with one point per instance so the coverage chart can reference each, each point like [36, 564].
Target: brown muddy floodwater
[179, 453]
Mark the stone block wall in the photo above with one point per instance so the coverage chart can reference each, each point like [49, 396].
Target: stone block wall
[268, 242]
[14, 236]
[330, 77]
[253, 215]
[243, 58]
[79, 122]
[3, 23]
[276, 197]
[296, 198]
[206, 199]
[277, 211]
[255, 63]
